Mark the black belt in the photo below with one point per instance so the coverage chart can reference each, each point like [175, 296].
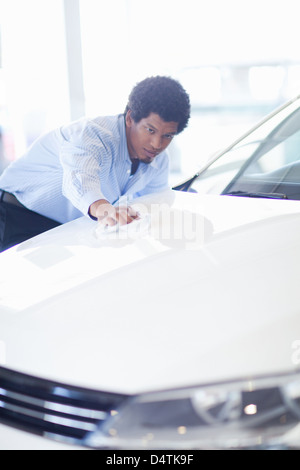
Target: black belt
[10, 198]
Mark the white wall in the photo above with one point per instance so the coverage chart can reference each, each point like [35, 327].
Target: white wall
[123, 41]
[34, 71]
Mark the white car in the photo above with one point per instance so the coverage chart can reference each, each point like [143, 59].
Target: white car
[179, 331]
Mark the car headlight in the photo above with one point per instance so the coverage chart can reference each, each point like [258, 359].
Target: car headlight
[259, 413]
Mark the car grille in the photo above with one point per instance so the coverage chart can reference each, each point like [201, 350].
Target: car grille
[51, 409]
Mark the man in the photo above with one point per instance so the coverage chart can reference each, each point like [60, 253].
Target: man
[86, 166]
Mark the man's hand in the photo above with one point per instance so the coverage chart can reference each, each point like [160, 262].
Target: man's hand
[111, 215]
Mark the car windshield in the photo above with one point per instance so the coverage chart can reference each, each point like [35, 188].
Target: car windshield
[264, 164]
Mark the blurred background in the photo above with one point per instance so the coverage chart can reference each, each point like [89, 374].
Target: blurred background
[62, 59]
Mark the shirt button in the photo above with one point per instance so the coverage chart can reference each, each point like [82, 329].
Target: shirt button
[128, 172]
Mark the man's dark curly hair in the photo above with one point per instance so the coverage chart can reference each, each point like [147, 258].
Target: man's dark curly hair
[163, 96]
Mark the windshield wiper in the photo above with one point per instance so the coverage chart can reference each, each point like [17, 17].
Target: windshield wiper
[258, 194]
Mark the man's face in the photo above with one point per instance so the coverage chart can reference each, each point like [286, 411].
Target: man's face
[148, 137]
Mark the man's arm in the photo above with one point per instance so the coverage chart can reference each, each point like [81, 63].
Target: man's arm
[83, 156]
[107, 214]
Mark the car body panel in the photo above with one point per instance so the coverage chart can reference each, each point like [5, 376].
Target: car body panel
[209, 292]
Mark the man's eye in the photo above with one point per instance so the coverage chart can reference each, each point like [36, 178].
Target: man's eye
[151, 131]
[169, 136]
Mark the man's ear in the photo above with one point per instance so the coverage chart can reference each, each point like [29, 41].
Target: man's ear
[128, 118]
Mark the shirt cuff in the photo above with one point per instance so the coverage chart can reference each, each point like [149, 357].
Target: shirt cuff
[87, 200]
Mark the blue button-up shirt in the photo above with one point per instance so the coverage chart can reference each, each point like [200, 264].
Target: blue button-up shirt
[67, 169]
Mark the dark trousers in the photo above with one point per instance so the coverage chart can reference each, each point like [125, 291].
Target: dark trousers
[17, 224]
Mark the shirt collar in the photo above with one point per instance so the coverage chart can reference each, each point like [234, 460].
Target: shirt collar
[124, 154]
[154, 164]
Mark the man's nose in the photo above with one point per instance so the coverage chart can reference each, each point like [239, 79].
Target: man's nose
[156, 142]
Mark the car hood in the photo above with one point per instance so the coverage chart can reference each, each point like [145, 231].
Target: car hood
[207, 291]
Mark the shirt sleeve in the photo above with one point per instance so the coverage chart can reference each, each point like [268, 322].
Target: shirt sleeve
[83, 156]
